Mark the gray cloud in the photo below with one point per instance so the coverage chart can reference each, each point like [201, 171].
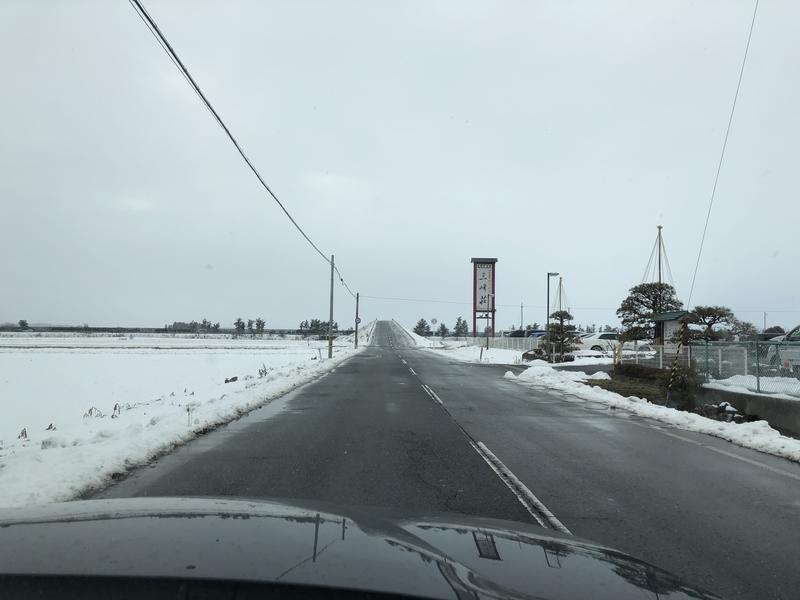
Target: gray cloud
[405, 138]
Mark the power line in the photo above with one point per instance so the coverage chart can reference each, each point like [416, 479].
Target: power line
[455, 302]
[165, 45]
[418, 300]
[722, 154]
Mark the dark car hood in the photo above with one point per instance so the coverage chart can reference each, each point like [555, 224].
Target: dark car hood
[359, 549]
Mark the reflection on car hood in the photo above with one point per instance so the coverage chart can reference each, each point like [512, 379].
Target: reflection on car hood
[358, 549]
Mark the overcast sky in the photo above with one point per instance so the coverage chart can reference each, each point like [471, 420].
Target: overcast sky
[405, 137]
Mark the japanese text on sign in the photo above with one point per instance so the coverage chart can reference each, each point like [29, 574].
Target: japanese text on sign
[483, 287]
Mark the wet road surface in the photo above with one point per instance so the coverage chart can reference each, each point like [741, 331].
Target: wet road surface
[398, 426]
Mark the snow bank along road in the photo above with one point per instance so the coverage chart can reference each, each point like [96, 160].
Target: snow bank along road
[89, 412]
[395, 426]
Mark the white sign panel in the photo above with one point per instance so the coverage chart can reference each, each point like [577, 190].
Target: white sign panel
[483, 287]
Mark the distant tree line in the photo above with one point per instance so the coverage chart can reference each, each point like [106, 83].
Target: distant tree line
[254, 326]
[460, 329]
[192, 326]
[316, 327]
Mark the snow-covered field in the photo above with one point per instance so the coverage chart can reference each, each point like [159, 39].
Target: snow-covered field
[118, 406]
[140, 340]
[757, 435]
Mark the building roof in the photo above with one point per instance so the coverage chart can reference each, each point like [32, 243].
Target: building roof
[670, 316]
[484, 260]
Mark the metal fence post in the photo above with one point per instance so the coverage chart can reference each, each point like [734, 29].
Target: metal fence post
[719, 362]
[758, 369]
[706, 373]
[745, 361]
[661, 357]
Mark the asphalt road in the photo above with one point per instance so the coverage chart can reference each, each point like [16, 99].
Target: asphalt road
[725, 518]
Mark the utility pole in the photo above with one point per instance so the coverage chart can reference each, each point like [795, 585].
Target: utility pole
[357, 319]
[521, 320]
[547, 320]
[330, 319]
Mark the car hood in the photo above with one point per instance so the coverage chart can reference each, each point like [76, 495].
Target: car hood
[293, 543]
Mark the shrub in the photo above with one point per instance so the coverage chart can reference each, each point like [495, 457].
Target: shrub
[685, 385]
[635, 371]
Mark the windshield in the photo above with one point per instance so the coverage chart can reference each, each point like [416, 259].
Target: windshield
[325, 253]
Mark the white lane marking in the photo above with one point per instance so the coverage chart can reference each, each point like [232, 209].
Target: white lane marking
[431, 393]
[404, 360]
[436, 397]
[413, 372]
[527, 498]
[730, 454]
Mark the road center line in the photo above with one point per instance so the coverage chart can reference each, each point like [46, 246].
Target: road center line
[527, 498]
[413, 372]
[431, 393]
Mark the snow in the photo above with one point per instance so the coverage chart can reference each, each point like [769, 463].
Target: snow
[420, 341]
[163, 398]
[499, 356]
[787, 388]
[757, 435]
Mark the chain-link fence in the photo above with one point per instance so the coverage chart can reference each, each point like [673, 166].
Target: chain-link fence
[757, 366]
[522, 344]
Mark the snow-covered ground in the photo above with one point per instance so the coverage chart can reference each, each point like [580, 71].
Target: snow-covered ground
[465, 352]
[137, 340]
[113, 408]
[787, 388]
[757, 435]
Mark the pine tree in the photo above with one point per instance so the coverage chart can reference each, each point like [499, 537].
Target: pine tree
[562, 333]
[422, 328]
[461, 328]
[638, 310]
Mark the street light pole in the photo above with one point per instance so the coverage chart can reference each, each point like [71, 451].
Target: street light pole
[547, 321]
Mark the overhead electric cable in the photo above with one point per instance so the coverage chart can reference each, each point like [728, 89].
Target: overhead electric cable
[722, 154]
[167, 47]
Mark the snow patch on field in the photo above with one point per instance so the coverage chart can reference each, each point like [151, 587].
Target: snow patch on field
[112, 409]
[473, 354]
[757, 435]
[499, 356]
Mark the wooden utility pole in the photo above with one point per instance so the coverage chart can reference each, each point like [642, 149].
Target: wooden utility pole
[330, 319]
[357, 319]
